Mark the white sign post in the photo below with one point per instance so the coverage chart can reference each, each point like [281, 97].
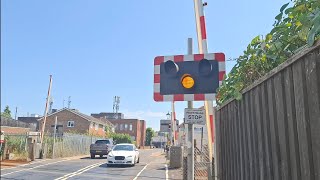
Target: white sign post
[194, 116]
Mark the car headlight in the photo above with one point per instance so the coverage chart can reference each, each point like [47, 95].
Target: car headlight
[110, 155]
[129, 156]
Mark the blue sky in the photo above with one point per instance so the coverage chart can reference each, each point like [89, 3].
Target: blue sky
[96, 49]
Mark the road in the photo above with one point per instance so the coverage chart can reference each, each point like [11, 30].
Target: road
[152, 166]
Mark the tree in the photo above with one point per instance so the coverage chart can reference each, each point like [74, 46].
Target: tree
[149, 134]
[121, 138]
[6, 112]
[108, 130]
[295, 28]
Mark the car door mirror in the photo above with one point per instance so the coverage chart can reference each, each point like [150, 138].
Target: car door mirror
[136, 149]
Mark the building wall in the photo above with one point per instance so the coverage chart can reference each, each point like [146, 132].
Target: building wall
[138, 128]
[81, 125]
[143, 132]
[107, 115]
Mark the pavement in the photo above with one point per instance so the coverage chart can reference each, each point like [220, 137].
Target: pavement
[153, 165]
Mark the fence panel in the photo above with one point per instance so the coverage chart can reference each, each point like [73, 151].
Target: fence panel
[68, 145]
[274, 131]
[201, 162]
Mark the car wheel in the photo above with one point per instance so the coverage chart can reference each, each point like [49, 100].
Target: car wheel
[101, 156]
[138, 160]
[92, 156]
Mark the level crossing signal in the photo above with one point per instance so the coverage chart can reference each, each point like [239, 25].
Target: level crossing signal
[188, 77]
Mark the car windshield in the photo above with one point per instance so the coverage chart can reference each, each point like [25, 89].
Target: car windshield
[123, 148]
[103, 142]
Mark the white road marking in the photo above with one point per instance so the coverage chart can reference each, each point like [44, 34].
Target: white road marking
[33, 167]
[141, 171]
[167, 176]
[80, 171]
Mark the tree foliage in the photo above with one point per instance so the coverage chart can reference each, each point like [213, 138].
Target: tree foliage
[6, 112]
[121, 138]
[295, 28]
[149, 134]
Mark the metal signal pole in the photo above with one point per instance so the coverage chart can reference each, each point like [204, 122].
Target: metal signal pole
[190, 157]
[203, 49]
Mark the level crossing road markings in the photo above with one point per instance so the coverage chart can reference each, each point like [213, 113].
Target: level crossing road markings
[167, 176]
[141, 171]
[80, 171]
[34, 167]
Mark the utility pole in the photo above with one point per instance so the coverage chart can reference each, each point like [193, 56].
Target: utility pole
[45, 114]
[203, 49]
[190, 157]
[54, 136]
[15, 114]
[69, 102]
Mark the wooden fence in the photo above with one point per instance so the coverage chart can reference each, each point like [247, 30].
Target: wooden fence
[274, 131]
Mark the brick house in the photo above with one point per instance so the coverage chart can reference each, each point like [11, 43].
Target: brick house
[73, 121]
[134, 127]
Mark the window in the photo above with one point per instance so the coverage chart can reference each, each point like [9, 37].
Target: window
[125, 126]
[102, 142]
[123, 148]
[130, 127]
[121, 127]
[96, 126]
[70, 123]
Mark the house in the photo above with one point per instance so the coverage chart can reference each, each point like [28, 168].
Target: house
[73, 121]
[134, 127]
[30, 120]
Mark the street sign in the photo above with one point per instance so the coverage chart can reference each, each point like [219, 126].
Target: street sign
[194, 77]
[195, 116]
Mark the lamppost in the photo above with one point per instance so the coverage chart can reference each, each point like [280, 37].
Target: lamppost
[168, 116]
[171, 126]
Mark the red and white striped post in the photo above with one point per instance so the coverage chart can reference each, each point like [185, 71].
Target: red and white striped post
[203, 49]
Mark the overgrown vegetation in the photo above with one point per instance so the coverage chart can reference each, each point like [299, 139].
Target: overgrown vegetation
[121, 138]
[17, 146]
[295, 27]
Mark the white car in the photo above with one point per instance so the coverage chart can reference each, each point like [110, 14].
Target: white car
[123, 154]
